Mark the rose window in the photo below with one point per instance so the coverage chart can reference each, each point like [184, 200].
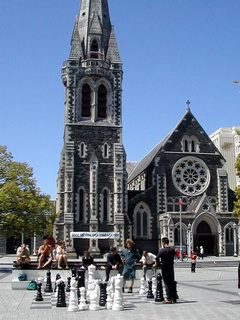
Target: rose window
[191, 176]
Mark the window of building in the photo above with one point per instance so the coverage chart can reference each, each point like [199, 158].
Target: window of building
[86, 101]
[102, 102]
[229, 234]
[190, 144]
[94, 49]
[81, 207]
[105, 206]
[105, 151]
[82, 151]
[142, 218]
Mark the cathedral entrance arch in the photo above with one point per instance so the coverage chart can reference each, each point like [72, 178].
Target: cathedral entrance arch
[205, 234]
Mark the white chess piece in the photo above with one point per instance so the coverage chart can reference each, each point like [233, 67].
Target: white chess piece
[83, 305]
[94, 295]
[109, 298]
[142, 289]
[73, 298]
[154, 285]
[118, 295]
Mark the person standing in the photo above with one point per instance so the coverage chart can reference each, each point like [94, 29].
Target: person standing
[148, 261]
[129, 257]
[193, 258]
[201, 252]
[114, 262]
[165, 258]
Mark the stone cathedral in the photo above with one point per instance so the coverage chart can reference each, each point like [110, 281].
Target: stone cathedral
[179, 189]
[92, 181]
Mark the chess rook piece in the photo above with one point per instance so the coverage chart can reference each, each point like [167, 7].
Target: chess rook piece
[150, 293]
[57, 278]
[103, 294]
[159, 292]
[39, 292]
[68, 284]
[83, 305]
[142, 289]
[61, 298]
[73, 299]
[48, 287]
[81, 278]
[118, 294]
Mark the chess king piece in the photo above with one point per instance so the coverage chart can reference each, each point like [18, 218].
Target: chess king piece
[142, 289]
[118, 294]
[39, 292]
[94, 294]
[48, 287]
[73, 298]
[61, 298]
[83, 305]
[150, 293]
[159, 291]
[103, 294]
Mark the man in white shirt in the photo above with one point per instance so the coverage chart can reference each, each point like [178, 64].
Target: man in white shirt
[148, 260]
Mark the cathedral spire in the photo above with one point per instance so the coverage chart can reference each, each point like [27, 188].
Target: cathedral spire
[94, 27]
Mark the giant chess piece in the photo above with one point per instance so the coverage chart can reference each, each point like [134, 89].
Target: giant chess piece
[81, 278]
[91, 273]
[57, 278]
[73, 298]
[109, 298]
[74, 272]
[103, 294]
[159, 292]
[94, 294]
[150, 293]
[154, 285]
[39, 292]
[118, 294]
[61, 298]
[83, 305]
[48, 287]
[142, 289]
[68, 284]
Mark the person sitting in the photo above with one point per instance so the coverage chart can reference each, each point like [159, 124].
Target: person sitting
[61, 255]
[23, 256]
[87, 260]
[148, 260]
[114, 262]
[44, 255]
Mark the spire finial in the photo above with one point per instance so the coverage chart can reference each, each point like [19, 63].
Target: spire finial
[188, 104]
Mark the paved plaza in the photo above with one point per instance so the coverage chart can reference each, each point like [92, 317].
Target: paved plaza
[210, 293]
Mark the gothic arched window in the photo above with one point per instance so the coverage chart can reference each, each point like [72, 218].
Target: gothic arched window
[105, 151]
[229, 234]
[82, 150]
[142, 219]
[94, 49]
[81, 205]
[105, 206]
[86, 101]
[102, 102]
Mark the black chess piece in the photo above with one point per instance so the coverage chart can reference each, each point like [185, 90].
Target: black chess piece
[48, 287]
[78, 290]
[39, 292]
[61, 298]
[68, 287]
[150, 292]
[103, 294]
[81, 278]
[159, 291]
[57, 277]
[74, 272]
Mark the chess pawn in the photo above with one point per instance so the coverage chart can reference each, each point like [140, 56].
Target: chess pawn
[94, 296]
[48, 287]
[159, 291]
[142, 289]
[83, 305]
[68, 284]
[39, 292]
[109, 298]
[118, 294]
[154, 285]
[150, 293]
[61, 298]
[73, 299]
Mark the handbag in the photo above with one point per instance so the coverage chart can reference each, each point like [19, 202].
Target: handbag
[32, 285]
[22, 277]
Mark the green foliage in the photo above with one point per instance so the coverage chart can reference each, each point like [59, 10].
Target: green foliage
[23, 208]
[237, 192]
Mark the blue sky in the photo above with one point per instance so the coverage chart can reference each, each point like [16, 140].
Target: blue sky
[172, 50]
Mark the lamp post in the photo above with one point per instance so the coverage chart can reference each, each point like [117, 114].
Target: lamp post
[235, 239]
[180, 202]
[189, 239]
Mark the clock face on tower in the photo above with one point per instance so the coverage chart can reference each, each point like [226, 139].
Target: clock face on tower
[191, 176]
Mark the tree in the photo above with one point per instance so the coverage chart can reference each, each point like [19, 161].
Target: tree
[23, 208]
[237, 202]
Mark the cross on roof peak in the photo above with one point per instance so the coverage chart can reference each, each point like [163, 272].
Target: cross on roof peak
[188, 104]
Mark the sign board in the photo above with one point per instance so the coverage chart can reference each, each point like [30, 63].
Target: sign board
[95, 235]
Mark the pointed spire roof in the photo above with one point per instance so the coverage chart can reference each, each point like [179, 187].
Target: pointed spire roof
[95, 25]
[113, 52]
[76, 49]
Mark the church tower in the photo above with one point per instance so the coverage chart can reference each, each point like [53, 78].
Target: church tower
[92, 180]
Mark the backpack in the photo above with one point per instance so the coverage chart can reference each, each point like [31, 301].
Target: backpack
[22, 277]
[32, 285]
